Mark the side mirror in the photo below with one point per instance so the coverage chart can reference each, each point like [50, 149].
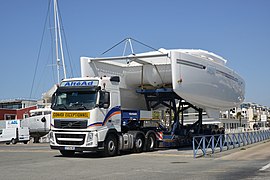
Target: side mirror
[104, 101]
[53, 100]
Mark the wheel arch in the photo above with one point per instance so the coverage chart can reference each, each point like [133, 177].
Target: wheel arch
[112, 132]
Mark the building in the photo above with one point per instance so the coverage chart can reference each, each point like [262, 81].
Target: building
[16, 108]
[254, 114]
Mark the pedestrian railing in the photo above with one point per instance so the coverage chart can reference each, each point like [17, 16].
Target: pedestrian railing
[209, 144]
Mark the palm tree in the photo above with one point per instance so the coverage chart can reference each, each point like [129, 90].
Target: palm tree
[255, 116]
[239, 116]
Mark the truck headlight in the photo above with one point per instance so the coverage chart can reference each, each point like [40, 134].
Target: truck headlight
[90, 137]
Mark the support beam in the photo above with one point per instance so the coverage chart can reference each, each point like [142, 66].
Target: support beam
[200, 120]
[167, 97]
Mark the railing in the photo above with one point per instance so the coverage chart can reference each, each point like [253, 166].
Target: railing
[209, 144]
[242, 129]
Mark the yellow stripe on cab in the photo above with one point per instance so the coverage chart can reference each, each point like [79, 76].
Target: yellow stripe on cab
[70, 115]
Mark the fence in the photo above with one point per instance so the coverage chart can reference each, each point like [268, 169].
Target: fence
[209, 144]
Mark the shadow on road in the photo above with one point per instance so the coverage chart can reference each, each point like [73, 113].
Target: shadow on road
[88, 154]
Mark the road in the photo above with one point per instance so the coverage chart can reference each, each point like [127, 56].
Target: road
[37, 161]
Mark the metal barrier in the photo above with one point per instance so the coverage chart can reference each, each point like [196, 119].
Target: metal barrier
[209, 144]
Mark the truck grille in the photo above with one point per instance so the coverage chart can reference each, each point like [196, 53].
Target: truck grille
[73, 139]
[70, 124]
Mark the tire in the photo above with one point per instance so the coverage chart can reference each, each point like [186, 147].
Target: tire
[151, 142]
[110, 146]
[139, 143]
[36, 140]
[25, 142]
[66, 153]
[13, 141]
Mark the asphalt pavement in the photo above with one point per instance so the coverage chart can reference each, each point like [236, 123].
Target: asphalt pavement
[38, 161]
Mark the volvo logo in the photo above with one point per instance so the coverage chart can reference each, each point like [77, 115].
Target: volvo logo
[70, 124]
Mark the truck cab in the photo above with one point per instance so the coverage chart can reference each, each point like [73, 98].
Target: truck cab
[83, 111]
[87, 116]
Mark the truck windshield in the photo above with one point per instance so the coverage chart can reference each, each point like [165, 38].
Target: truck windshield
[74, 100]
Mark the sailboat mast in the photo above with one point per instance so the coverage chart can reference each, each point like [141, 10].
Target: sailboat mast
[58, 39]
[61, 49]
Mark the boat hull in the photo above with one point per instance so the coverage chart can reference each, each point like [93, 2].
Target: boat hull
[206, 84]
[200, 81]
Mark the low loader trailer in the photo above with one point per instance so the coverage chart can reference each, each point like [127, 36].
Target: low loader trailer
[105, 109]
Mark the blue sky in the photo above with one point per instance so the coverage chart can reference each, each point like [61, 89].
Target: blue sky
[238, 30]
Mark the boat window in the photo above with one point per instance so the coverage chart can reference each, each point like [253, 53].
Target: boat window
[191, 64]
[47, 112]
[36, 113]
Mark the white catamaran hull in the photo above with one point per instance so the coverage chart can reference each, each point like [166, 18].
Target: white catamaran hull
[199, 77]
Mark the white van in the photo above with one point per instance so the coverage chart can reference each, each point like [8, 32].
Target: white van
[14, 135]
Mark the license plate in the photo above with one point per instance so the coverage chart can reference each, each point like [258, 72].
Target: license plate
[69, 148]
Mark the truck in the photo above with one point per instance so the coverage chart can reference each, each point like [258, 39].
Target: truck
[104, 109]
[14, 135]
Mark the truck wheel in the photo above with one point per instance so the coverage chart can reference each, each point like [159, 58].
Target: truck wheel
[66, 153]
[13, 141]
[151, 142]
[111, 147]
[139, 143]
